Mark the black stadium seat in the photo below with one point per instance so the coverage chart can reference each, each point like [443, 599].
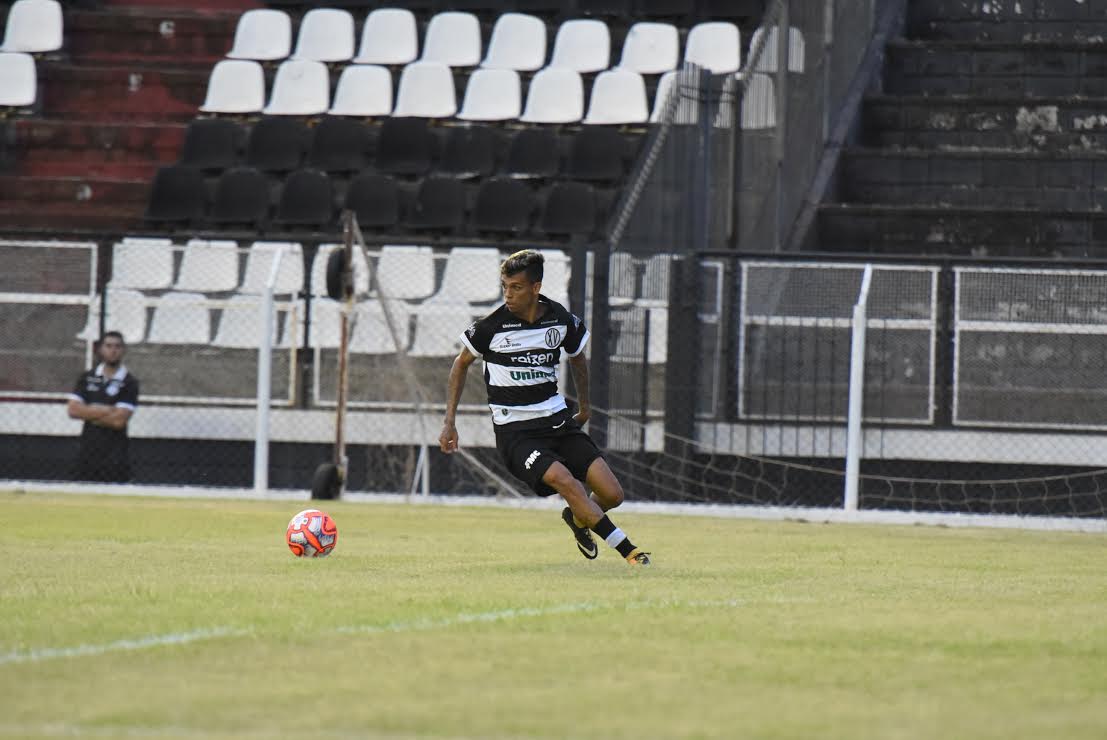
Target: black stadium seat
[375, 199]
[534, 153]
[405, 147]
[212, 144]
[597, 154]
[439, 204]
[306, 200]
[569, 209]
[241, 197]
[503, 205]
[177, 194]
[276, 144]
[340, 145]
[469, 151]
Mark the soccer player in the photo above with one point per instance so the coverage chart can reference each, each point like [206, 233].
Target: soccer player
[540, 441]
[104, 398]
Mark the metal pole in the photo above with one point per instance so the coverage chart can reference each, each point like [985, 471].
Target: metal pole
[265, 374]
[856, 393]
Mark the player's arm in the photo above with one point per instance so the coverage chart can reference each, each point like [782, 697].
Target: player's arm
[116, 418]
[579, 367]
[93, 412]
[447, 440]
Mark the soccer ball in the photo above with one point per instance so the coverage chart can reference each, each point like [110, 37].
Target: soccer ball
[311, 534]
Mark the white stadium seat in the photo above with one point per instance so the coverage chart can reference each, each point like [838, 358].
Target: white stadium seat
[556, 95]
[389, 36]
[453, 39]
[618, 97]
[325, 330]
[426, 91]
[240, 325]
[437, 328]
[34, 26]
[406, 272]
[658, 349]
[372, 334]
[797, 50]
[181, 318]
[759, 102]
[262, 35]
[651, 48]
[208, 267]
[714, 46]
[623, 280]
[301, 88]
[326, 35]
[235, 86]
[555, 278]
[259, 263]
[518, 42]
[18, 80]
[655, 281]
[582, 45]
[492, 95]
[364, 90]
[471, 276]
[126, 315]
[146, 264]
[319, 270]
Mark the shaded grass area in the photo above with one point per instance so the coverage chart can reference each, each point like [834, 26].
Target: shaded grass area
[486, 623]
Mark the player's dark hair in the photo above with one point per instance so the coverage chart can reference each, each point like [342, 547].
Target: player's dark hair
[115, 334]
[524, 260]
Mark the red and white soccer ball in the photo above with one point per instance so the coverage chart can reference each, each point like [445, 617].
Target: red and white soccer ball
[311, 534]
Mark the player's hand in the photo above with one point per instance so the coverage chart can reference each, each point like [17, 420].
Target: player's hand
[582, 415]
[447, 440]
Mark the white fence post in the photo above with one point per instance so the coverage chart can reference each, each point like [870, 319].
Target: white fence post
[265, 372]
[856, 392]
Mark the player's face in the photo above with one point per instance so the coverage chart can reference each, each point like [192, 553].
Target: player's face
[519, 293]
[111, 351]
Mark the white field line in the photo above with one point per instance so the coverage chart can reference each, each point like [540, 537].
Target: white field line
[38, 655]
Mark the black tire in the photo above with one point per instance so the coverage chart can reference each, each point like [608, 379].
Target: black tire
[336, 273]
[327, 483]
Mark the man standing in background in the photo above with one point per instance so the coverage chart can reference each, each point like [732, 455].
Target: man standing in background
[105, 398]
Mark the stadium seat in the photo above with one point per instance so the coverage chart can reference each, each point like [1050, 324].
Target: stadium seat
[340, 145]
[375, 199]
[582, 46]
[126, 315]
[180, 318]
[177, 194]
[405, 272]
[453, 39]
[306, 200]
[372, 334]
[518, 42]
[715, 46]
[664, 85]
[556, 95]
[389, 37]
[426, 91]
[469, 151]
[610, 8]
[236, 86]
[240, 326]
[364, 91]
[597, 153]
[241, 197]
[555, 280]
[18, 80]
[569, 209]
[492, 95]
[212, 144]
[34, 27]
[797, 50]
[471, 276]
[301, 88]
[405, 147]
[759, 102]
[658, 350]
[440, 203]
[208, 267]
[534, 153]
[276, 144]
[618, 97]
[323, 331]
[622, 279]
[326, 35]
[264, 35]
[669, 8]
[504, 205]
[438, 327]
[655, 281]
[259, 265]
[651, 48]
[319, 271]
[143, 264]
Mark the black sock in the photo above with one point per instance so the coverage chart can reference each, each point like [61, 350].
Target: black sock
[613, 536]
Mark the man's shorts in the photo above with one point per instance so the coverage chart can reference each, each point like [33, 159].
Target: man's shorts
[529, 453]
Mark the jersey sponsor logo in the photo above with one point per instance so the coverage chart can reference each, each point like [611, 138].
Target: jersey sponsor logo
[540, 358]
[553, 338]
[506, 343]
[530, 460]
[511, 326]
[533, 375]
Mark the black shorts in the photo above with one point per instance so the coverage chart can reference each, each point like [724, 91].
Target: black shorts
[529, 452]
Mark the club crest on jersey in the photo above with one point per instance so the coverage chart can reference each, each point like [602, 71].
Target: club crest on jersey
[553, 338]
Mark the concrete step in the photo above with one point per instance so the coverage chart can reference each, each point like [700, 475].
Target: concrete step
[67, 148]
[966, 122]
[1009, 232]
[1007, 20]
[992, 69]
[176, 37]
[121, 92]
[78, 192]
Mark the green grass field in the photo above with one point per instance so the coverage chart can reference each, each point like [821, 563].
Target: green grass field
[124, 617]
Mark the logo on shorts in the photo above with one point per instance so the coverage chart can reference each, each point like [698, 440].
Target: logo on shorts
[530, 460]
[553, 338]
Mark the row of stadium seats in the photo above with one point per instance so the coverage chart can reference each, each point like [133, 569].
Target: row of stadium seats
[18, 80]
[308, 200]
[613, 9]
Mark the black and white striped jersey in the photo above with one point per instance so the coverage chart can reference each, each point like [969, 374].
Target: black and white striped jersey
[521, 360]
